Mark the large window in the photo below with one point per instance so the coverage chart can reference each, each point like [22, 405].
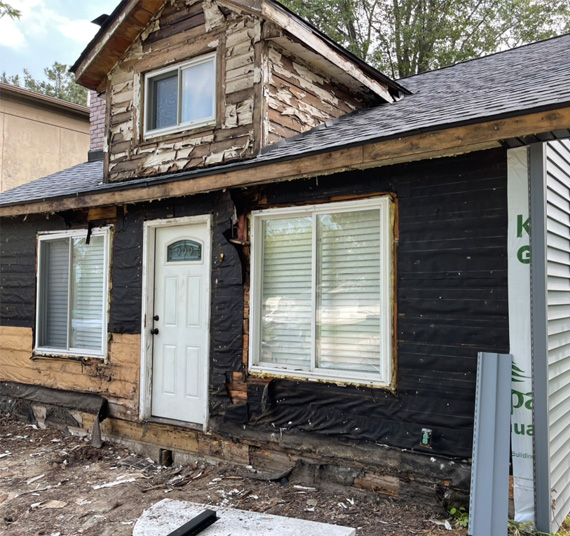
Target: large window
[321, 292]
[181, 97]
[73, 273]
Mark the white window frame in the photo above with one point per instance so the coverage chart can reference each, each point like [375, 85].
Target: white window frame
[74, 352]
[153, 133]
[384, 376]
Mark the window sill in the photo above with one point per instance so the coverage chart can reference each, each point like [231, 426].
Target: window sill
[194, 128]
[65, 356]
[321, 376]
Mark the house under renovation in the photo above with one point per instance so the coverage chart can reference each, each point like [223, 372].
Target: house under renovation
[278, 256]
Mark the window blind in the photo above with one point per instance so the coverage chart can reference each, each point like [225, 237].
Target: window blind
[55, 295]
[286, 289]
[325, 298]
[348, 291]
[72, 294]
[87, 293]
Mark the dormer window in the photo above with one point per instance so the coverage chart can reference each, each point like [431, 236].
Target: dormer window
[181, 97]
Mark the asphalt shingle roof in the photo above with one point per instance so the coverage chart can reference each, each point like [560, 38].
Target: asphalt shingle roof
[66, 183]
[532, 77]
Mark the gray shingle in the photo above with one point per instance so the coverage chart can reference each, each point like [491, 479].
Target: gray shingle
[66, 183]
[529, 77]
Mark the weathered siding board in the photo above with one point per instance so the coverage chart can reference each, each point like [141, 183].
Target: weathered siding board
[264, 92]
[299, 97]
[558, 286]
[116, 380]
[181, 32]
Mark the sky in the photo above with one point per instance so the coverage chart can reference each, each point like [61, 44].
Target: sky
[48, 31]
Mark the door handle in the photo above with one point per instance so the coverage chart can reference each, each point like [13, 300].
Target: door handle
[154, 331]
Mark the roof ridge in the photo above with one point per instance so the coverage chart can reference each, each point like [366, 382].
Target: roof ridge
[499, 52]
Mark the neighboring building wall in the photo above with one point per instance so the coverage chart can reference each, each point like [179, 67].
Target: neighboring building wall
[38, 136]
[97, 105]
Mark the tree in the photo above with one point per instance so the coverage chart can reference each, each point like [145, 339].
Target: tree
[60, 83]
[406, 37]
[6, 10]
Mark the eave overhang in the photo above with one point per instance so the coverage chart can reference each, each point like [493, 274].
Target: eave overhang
[447, 140]
[115, 36]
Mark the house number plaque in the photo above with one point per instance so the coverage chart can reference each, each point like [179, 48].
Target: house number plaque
[184, 250]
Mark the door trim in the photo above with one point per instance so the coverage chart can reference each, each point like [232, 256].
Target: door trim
[149, 237]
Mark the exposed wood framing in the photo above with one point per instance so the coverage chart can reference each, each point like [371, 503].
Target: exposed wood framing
[117, 379]
[436, 144]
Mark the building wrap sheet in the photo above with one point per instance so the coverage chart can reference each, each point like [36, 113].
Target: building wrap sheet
[520, 335]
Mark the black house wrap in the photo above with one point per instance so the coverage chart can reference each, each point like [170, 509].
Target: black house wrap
[451, 280]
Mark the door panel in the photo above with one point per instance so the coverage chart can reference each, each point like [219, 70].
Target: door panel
[181, 303]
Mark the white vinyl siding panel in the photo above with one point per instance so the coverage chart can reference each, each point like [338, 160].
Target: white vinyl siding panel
[558, 286]
[321, 291]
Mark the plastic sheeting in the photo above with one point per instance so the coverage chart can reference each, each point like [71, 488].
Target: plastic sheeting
[451, 303]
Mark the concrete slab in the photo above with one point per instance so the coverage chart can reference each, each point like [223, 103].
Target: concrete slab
[167, 515]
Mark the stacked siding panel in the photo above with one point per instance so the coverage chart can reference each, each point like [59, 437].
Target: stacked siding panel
[558, 287]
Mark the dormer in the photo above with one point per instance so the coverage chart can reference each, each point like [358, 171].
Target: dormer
[195, 83]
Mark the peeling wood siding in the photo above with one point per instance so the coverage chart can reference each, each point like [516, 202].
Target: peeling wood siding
[299, 97]
[181, 31]
[264, 92]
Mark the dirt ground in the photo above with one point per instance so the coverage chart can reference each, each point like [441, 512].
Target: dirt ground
[55, 485]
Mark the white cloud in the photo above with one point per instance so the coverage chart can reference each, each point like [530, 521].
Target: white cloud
[40, 21]
[10, 34]
[78, 30]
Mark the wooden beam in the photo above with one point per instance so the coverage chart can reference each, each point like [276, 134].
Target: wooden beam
[437, 144]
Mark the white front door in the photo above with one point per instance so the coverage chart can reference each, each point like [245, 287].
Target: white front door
[179, 323]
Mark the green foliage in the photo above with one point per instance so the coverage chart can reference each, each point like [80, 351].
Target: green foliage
[460, 516]
[60, 83]
[520, 529]
[6, 10]
[407, 37]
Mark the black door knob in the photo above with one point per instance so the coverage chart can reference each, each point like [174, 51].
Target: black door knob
[155, 318]
[154, 331]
